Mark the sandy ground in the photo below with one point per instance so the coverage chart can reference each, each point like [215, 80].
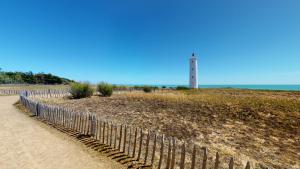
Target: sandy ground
[28, 144]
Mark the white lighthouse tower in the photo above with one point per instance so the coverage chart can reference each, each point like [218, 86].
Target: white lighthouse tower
[193, 72]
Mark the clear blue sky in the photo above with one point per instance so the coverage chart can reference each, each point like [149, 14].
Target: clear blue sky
[150, 42]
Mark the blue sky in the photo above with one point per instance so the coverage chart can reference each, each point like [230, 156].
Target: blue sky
[150, 42]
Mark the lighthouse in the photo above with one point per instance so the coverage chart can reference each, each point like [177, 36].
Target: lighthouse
[193, 72]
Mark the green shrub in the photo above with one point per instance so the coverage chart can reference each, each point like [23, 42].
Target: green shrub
[81, 90]
[163, 87]
[182, 88]
[105, 89]
[147, 89]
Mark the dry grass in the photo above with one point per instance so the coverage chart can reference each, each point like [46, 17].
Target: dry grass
[252, 125]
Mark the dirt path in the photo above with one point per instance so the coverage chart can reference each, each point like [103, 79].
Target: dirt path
[28, 144]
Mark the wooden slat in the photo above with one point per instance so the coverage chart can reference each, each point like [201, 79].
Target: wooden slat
[173, 153]
[161, 152]
[134, 143]
[66, 118]
[147, 147]
[111, 134]
[74, 121]
[231, 163]
[153, 150]
[247, 165]
[107, 133]
[80, 123]
[169, 154]
[129, 142]
[204, 158]
[103, 133]
[125, 137]
[193, 157]
[70, 120]
[217, 161]
[100, 131]
[120, 139]
[89, 124]
[83, 123]
[116, 135]
[140, 145]
[96, 128]
[182, 157]
[92, 127]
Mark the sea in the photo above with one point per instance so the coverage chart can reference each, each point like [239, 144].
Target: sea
[256, 87]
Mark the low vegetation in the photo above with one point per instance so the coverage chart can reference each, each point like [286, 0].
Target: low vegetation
[81, 90]
[105, 89]
[147, 89]
[182, 88]
[124, 87]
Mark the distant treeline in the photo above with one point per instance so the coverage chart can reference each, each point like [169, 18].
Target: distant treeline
[31, 78]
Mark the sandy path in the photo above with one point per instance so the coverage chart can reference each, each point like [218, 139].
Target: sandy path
[28, 144]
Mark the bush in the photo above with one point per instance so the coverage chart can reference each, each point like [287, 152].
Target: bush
[81, 90]
[105, 89]
[147, 89]
[182, 88]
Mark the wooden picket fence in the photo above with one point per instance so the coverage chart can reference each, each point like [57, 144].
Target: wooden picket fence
[47, 93]
[36, 93]
[10, 92]
[147, 147]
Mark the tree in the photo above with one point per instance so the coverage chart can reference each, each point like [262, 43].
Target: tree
[31, 78]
